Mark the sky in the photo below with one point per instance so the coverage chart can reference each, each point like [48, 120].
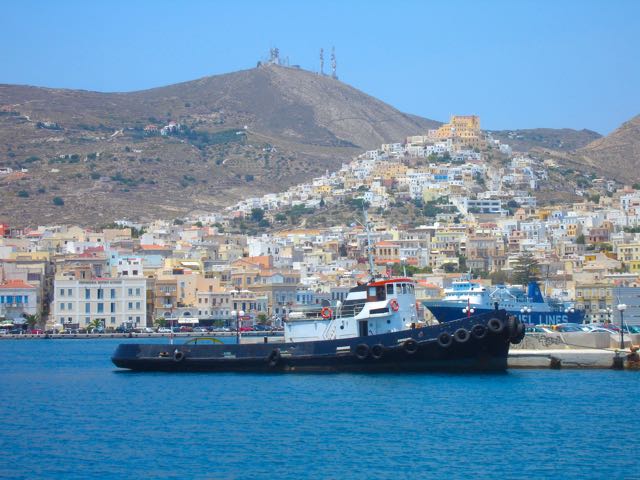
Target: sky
[517, 64]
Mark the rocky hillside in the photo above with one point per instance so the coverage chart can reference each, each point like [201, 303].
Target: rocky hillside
[618, 154]
[558, 139]
[91, 157]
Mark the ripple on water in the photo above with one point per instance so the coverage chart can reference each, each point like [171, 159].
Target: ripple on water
[67, 413]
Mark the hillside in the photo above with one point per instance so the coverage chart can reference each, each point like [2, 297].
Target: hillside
[617, 154]
[558, 139]
[242, 134]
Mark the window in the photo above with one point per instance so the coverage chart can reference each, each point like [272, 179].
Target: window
[62, 292]
[113, 319]
[100, 294]
[87, 308]
[135, 272]
[69, 292]
[130, 305]
[112, 308]
[69, 307]
[137, 305]
[137, 291]
[130, 291]
[87, 294]
[390, 288]
[113, 293]
[101, 308]
[61, 306]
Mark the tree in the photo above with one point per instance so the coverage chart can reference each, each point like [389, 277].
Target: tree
[580, 239]
[526, 269]
[32, 320]
[257, 214]
[58, 201]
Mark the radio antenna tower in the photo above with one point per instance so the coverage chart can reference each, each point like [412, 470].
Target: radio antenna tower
[333, 63]
[322, 61]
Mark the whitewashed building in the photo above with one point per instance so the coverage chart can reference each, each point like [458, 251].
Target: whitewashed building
[114, 301]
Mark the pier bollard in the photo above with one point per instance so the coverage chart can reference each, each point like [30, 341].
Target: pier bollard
[556, 363]
[618, 362]
[266, 339]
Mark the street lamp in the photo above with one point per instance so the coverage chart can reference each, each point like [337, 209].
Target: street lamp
[237, 314]
[621, 308]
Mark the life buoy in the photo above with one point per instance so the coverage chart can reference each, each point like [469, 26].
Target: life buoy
[410, 346]
[495, 325]
[326, 312]
[461, 335]
[394, 305]
[178, 356]
[479, 331]
[377, 351]
[362, 351]
[274, 357]
[445, 340]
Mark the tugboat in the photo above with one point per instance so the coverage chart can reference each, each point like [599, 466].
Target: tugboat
[529, 306]
[375, 329]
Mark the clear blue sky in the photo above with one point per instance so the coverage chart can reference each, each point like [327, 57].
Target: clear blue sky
[517, 64]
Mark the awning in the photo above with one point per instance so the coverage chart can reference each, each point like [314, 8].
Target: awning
[188, 320]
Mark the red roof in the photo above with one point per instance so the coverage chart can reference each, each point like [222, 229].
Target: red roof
[153, 247]
[16, 284]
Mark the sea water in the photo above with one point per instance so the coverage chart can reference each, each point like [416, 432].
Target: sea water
[67, 412]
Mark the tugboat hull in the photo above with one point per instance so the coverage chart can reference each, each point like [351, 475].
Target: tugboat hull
[478, 343]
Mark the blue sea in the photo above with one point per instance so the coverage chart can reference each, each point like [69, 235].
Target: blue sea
[67, 412]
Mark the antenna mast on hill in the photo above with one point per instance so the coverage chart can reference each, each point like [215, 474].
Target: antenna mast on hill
[333, 63]
[322, 61]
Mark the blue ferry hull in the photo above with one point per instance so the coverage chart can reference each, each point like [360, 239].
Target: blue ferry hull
[447, 312]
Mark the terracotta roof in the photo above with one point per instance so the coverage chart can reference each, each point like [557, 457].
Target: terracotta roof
[16, 284]
[153, 247]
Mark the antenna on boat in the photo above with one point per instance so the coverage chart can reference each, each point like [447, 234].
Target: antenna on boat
[367, 227]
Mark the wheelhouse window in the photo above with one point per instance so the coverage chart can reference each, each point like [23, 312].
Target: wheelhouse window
[390, 288]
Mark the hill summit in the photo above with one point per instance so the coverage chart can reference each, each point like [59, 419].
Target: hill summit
[165, 151]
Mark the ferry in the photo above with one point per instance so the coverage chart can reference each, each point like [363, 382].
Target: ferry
[375, 329]
[529, 306]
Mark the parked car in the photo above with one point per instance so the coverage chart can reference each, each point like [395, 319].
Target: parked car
[186, 329]
[164, 330]
[36, 331]
[200, 329]
[570, 327]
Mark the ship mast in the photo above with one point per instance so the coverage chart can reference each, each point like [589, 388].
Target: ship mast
[367, 226]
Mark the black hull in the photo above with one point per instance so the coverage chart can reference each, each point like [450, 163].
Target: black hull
[415, 350]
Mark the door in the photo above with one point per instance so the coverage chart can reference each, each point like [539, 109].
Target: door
[363, 328]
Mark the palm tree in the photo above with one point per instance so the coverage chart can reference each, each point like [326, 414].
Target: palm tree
[95, 324]
[32, 320]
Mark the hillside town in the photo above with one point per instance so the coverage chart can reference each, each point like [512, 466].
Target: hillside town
[483, 217]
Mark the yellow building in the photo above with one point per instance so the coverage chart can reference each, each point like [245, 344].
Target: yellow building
[464, 130]
[629, 254]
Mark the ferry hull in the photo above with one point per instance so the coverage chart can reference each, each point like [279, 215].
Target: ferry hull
[447, 312]
[412, 350]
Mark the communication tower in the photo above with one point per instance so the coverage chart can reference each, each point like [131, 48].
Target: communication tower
[333, 63]
[322, 61]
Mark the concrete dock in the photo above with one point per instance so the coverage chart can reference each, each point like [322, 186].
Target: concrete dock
[570, 358]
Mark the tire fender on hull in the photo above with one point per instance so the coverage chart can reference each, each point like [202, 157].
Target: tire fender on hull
[362, 351]
[495, 325]
[445, 340]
